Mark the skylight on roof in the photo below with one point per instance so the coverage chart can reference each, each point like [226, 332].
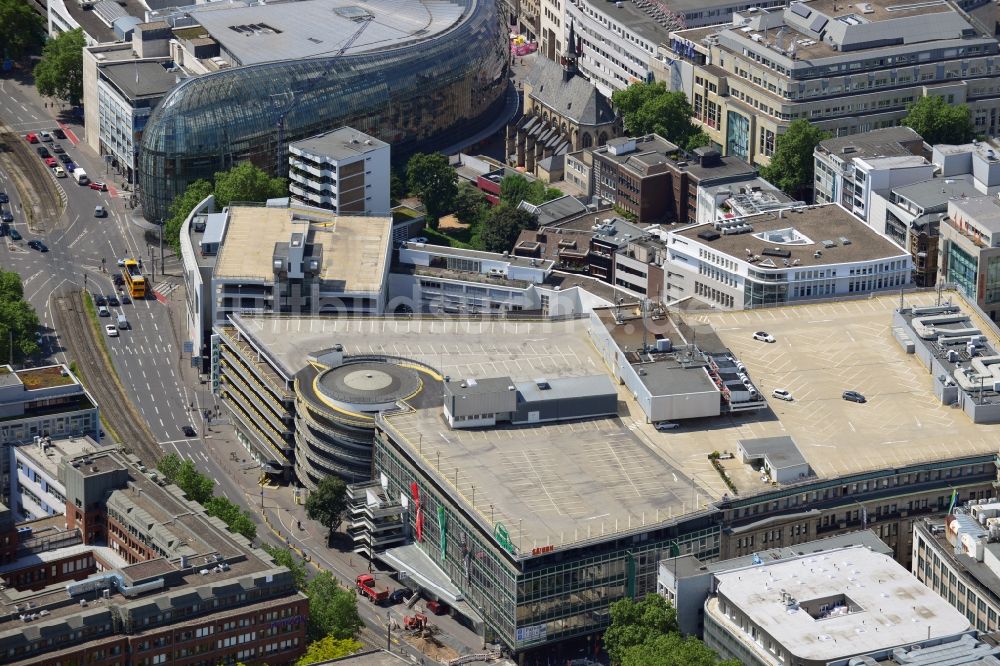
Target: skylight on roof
[787, 236]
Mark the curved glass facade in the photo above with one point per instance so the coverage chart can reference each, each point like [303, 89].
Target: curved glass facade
[423, 96]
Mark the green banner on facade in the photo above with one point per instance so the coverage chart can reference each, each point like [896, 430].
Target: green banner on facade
[443, 529]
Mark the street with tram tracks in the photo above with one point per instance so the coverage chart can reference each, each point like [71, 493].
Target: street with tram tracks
[88, 351]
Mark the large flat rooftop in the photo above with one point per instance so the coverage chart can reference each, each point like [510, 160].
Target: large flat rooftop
[553, 485]
[308, 28]
[822, 350]
[850, 601]
[523, 350]
[811, 225]
[355, 249]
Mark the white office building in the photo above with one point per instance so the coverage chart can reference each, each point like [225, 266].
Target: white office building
[434, 278]
[827, 608]
[345, 171]
[36, 490]
[773, 258]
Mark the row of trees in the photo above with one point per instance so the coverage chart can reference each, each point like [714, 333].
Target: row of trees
[244, 182]
[18, 321]
[645, 633]
[199, 488]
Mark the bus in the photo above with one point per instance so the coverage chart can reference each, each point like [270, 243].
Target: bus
[134, 280]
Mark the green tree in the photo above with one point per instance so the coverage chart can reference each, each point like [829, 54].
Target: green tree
[180, 208]
[939, 122]
[636, 623]
[397, 185]
[18, 321]
[285, 558]
[650, 107]
[197, 486]
[471, 204]
[333, 611]
[673, 649]
[791, 167]
[246, 182]
[236, 520]
[502, 226]
[22, 31]
[60, 71]
[431, 178]
[697, 140]
[169, 467]
[327, 649]
[515, 188]
[327, 503]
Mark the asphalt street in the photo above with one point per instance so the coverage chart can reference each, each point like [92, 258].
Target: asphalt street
[83, 253]
[146, 356]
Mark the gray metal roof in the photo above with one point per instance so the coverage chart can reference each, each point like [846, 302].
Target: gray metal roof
[140, 79]
[555, 210]
[340, 143]
[934, 193]
[566, 388]
[781, 452]
[882, 142]
[576, 99]
[290, 30]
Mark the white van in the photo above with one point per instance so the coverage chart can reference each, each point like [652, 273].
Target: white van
[80, 176]
[122, 322]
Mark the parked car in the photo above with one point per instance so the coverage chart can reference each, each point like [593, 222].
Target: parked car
[4, 198]
[43, 152]
[59, 172]
[70, 166]
[99, 211]
[437, 607]
[112, 330]
[400, 595]
[4, 229]
[59, 134]
[663, 426]
[56, 148]
[98, 185]
[103, 311]
[418, 239]
[763, 336]
[854, 396]
[51, 162]
[31, 137]
[45, 136]
[15, 235]
[113, 300]
[782, 394]
[100, 300]
[65, 159]
[38, 245]
[189, 431]
[6, 215]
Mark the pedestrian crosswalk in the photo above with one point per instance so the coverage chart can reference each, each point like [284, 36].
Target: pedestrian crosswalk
[166, 288]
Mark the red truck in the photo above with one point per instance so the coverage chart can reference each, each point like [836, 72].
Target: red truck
[366, 587]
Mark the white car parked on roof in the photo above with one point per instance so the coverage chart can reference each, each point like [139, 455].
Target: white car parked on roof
[782, 394]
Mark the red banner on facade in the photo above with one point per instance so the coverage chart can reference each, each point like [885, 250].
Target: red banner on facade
[419, 520]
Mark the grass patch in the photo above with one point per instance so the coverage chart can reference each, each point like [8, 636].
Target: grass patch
[435, 237]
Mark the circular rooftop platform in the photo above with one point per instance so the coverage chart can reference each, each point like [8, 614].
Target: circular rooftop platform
[368, 386]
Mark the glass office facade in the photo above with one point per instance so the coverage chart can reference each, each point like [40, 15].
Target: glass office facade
[420, 96]
[531, 602]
